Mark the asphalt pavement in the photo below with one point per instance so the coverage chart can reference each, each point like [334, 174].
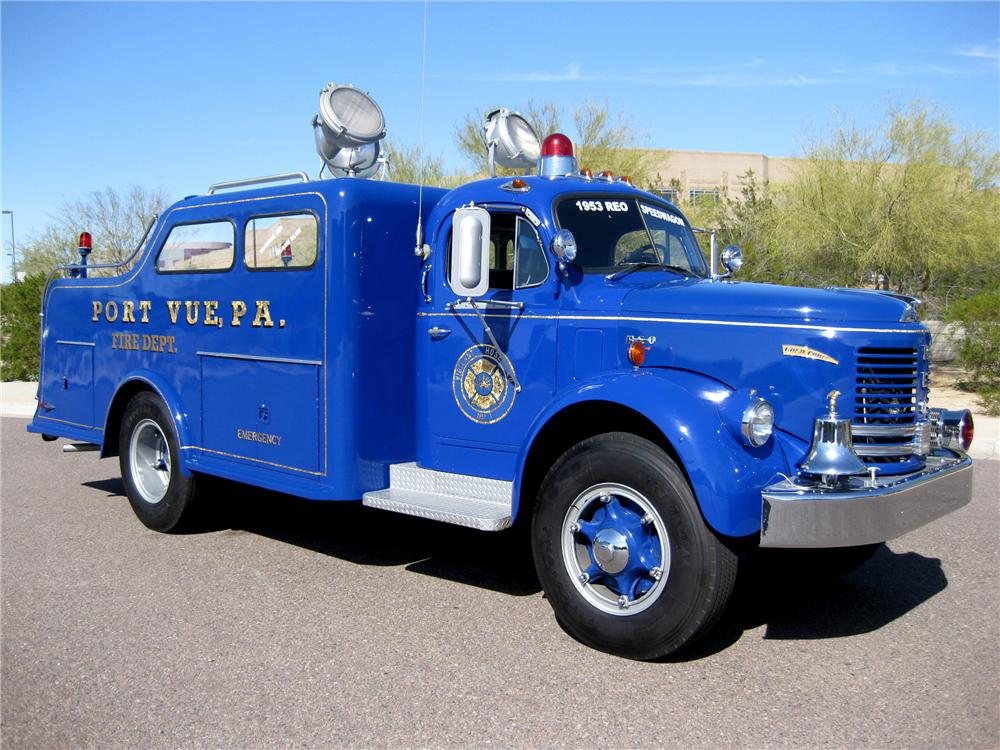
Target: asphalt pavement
[296, 624]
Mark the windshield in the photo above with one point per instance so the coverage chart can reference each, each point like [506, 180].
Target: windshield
[612, 234]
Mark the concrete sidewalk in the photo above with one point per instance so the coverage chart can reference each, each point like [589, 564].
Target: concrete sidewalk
[18, 400]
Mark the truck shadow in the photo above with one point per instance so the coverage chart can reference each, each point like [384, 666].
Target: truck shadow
[879, 592]
[882, 590]
[349, 531]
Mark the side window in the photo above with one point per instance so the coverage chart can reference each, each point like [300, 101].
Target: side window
[530, 263]
[517, 259]
[198, 247]
[279, 242]
[503, 240]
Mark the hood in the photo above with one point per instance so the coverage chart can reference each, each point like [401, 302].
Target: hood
[685, 298]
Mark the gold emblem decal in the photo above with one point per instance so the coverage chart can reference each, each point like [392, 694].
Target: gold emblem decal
[794, 350]
[480, 385]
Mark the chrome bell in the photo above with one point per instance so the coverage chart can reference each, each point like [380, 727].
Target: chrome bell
[831, 456]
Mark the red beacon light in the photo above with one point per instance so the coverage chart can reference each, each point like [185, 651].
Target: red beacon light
[557, 159]
[84, 248]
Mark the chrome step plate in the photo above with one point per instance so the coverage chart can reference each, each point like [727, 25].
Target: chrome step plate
[452, 498]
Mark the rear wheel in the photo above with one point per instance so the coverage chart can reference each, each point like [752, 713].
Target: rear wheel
[622, 552]
[161, 496]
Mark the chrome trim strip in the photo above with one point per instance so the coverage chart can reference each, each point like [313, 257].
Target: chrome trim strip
[66, 421]
[75, 343]
[249, 458]
[691, 321]
[262, 358]
[794, 514]
[894, 449]
[883, 430]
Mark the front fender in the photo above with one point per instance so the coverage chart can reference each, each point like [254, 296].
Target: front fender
[170, 397]
[725, 474]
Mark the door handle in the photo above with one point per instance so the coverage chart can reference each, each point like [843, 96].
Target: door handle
[438, 333]
[423, 282]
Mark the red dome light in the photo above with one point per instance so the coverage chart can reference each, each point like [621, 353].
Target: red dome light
[557, 144]
[85, 240]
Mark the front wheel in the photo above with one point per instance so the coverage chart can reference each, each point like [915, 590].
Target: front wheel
[622, 552]
[161, 496]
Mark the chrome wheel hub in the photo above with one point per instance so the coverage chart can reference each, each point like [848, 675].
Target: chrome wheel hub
[616, 549]
[610, 550]
[149, 461]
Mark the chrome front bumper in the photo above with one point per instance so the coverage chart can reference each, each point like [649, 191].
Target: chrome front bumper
[796, 513]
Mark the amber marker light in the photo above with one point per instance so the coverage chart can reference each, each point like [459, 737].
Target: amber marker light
[607, 174]
[637, 352]
[627, 180]
[586, 173]
[518, 184]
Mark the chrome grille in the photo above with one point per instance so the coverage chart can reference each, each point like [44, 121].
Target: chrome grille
[885, 428]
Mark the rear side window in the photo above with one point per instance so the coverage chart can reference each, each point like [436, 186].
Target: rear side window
[280, 242]
[191, 248]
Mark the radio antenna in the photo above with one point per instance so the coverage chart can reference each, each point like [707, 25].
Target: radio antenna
[419, 248]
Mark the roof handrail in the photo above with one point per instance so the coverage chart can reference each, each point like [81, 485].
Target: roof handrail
[284, 176]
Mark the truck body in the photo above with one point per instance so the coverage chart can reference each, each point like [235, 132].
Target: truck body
[298, 343]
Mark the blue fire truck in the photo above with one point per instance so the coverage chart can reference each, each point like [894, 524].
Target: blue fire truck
[555, 351]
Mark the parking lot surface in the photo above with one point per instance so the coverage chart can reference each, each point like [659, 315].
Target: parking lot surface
[295, 624]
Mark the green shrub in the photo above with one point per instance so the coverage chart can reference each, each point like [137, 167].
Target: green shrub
[989, 400]
[20, 303]
[979, 351]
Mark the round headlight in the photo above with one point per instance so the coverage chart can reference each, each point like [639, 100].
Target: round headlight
[758, 422]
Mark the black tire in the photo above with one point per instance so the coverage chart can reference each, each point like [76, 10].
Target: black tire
[697, 570]
[149, 456]
[816, 563]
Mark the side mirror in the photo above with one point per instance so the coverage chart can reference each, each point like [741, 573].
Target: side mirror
[732, 258]
[470, 252]
[563, 246]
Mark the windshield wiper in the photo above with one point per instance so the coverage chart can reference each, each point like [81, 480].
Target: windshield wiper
[646, 264]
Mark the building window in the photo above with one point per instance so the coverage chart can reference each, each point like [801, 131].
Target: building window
[207, 246]
[671, 194]
[702, 197]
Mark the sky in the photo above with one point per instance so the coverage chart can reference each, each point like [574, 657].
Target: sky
[182, 95]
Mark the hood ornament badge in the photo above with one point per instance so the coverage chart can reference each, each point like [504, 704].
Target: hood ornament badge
[795, 350]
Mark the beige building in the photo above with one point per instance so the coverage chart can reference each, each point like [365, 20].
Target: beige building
[693, 176]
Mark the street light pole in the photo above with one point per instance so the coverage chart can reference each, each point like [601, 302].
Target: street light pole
[13, 247]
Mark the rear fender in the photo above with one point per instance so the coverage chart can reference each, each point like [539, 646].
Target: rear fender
[155, 383]
[725, 474]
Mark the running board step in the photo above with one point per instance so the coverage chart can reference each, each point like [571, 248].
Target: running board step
[453, 498]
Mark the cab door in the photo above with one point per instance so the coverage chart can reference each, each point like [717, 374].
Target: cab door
[484, 391]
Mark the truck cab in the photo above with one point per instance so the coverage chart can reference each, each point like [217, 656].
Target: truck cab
[557, 353]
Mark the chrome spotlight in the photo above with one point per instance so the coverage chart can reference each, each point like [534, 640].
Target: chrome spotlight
[348, 120]
[732, 258]
[510, 140]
